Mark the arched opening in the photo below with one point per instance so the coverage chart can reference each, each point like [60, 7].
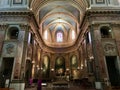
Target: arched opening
[13, 33]
[105, 32]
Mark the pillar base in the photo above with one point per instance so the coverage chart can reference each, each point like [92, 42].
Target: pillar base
[98, 85]
[17, 85]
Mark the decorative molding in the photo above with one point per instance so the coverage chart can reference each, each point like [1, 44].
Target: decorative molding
[24, 26]
[13, 18]
[17, 1]
[100, 1]
[3, 26]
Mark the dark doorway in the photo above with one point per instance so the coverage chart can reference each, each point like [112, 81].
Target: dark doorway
[7, 66]
[113, 70]
[6, 70]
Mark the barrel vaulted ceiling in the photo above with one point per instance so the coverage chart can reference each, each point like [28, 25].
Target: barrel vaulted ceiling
[59, 20]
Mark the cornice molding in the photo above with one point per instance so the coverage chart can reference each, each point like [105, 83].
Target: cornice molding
[26, 12]
[106, 11]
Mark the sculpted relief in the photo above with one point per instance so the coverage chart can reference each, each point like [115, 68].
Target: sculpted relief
[9, 49]
[109, 48]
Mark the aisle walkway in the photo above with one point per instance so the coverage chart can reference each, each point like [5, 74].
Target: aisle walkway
[70, 87]
[50, 88]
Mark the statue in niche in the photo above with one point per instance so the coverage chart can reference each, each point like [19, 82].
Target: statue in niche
[45, 66]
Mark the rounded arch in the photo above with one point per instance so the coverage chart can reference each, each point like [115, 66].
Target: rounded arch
[60, 65]
[13, 32]
[106, 32]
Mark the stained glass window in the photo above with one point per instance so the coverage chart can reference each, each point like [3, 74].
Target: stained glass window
[59, 36]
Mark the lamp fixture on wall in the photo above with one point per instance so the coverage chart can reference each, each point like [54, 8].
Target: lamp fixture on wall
[52, 69]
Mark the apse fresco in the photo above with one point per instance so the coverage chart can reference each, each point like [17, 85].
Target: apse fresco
[45, 67]
[60, 66]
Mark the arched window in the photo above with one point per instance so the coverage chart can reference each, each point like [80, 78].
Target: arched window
[59, 36]
[73, 34]
[105, 32]
[46, 35]
[13, 33]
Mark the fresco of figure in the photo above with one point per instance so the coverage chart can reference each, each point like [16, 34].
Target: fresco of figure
[74, 63]
[45, 66]
[60, 66]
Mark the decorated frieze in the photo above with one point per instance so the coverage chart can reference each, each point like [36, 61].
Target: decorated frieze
[3, 27]
[13, 18]
[24, 26]
[105, 18]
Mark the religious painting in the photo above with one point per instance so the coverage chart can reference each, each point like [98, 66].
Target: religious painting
[74, 67]
[100, 1]
[60, 66]
[74, 62]
[45, 67]
[17, 1]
